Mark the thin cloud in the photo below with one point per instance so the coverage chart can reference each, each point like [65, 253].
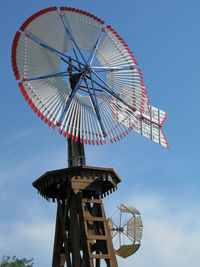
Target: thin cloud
[32, 239]
[171, 232]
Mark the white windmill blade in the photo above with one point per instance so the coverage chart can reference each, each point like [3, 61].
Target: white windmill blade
[107, 117]
[37, 101]
[113, 127]
[139, 227]
[30, 59]
[137, 103]
[49, 93]
[69, 119]
[74, 123]
[90, 139]
[116, 128]
[77, 126]
[112, 49]
[127, 87]
[87, 139]
[96, 129]
[72, 119]
[85, 27]
[99, 136]
[47, 26]
[135, 228]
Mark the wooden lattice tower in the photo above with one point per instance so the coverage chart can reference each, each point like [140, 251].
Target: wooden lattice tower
[82, 237]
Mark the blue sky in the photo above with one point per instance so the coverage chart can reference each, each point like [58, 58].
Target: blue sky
[163, 184]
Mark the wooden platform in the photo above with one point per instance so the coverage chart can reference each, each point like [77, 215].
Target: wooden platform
[105, 180]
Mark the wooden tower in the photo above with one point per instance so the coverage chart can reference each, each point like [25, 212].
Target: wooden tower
[82, 237]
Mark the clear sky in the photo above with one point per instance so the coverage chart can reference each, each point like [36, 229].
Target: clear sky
[163, 184]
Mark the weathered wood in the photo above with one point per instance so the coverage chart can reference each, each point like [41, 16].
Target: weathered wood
[104, 180]
[86, 200]
[109, 241]
[57, 243]
[97, 237]
[75, 232]
[82, 237]
[97, 219]
[62, 260]
[100, 256]
[63, 218]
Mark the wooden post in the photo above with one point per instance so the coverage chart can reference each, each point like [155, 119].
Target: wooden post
[76, 154]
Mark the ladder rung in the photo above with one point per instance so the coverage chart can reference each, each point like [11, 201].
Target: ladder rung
[97, 237]
[97, 219]
[87, 200]
[99, 256]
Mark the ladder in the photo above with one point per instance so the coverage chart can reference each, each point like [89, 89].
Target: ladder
[99, 243]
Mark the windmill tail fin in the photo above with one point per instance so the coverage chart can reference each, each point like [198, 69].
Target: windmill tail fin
[150, 125]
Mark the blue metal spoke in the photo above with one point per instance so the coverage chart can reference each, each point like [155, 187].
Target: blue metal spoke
[72, 39]
[103, 69]
[95, 104]
[58, 74]
[95, 49]
[109, 90]
[56, 52]
[71, 96]
[76, 58]
[100, 85]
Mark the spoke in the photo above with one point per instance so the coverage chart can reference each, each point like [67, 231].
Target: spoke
[98, 70]
[110, 68]
[95, 104]
[128, 237]
[77, 59]
[128, 221]
[72, 39]
[85, 87]
[116, 240]
[88, 77]
[73, 66]
[71, 95]
[58, 74]
[114, 235]
[95, 49]
[56, 52]
[111, 92]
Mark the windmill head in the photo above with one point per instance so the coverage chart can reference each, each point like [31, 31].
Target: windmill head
[79, 76]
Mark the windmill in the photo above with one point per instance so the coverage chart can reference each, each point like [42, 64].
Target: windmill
[126, 230]
[79, 76]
